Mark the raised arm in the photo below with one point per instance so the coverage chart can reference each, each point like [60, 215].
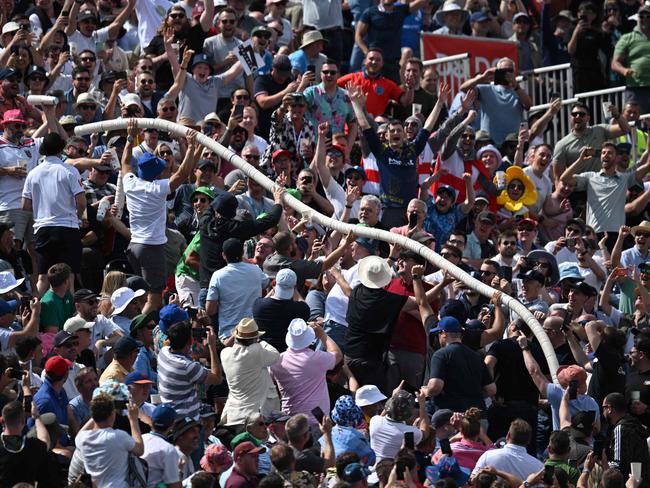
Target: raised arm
[122, 17]
[207, 16]
[539, 126]
[335, 255]
[643, 167]
[358, 99]
[186, 168]
[132, 132]
[621, 126]
[319, 157]
[420, 295]
[617, 250]
[470, 195]
[443, 95]
[498, 324]
[481, 79]
[568, 176]
[170, 53]
[179, 77]
[531, 365]
[450, 145]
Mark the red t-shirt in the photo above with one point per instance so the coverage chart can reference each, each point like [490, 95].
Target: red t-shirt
[380, 90]
[408, 334]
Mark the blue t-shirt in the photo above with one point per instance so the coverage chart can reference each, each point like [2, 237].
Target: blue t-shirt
[441, 225]
[501, 111]
[384, 28]
[411, 32]
[583, 403]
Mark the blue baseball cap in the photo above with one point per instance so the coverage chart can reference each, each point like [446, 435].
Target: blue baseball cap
[7, 306]
[355, 472]
[170, 315]
[449, 189]
[532, 274]
[369, 244]
[163, 415]
[150, 166]
[570, 271]
[200, 58]
[125, 345]
[448, 324]
[356, 169]
[478, 17]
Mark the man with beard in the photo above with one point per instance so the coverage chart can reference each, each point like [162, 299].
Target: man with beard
[507, 247]
[9, 98]
[536, 171]
[606, 189]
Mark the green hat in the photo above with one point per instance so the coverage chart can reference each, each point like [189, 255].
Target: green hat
[142, 320]
[243, 437]
[206, 191]
[294, 193]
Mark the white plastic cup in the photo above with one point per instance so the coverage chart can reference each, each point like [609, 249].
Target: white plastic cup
[635, 469]
[155, 399]
[635, 396]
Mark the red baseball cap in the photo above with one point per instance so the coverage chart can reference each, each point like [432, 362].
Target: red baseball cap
[13, 116]
[246, 448]
[57, 366]
[281, 152]
[528, 221]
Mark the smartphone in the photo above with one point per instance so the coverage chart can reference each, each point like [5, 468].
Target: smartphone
[410, 388]
[549, 473]
[506, 273]
[199, 333]
[445, 447]
[312, 68]
[65, 13]
[317, 412]
[607, 110]
[192, 312]
[573, 389]
[239, 110]
[500, 77]
[570, 242]
[599, 445]
[399, 469]
[24, 302]
[523, 126]
[413, 220]
[16, 374]
[409, 440]
[120, 75]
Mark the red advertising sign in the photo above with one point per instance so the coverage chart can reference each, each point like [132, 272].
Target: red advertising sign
[484, 52]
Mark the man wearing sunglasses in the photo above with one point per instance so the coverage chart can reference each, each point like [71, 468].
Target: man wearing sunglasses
[82, 29]
[636, 255]
[567, 150]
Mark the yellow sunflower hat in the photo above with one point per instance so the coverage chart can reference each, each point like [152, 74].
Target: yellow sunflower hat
[529, 196]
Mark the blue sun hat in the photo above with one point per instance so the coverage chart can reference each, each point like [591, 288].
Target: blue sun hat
[346, 413]
[447, 467]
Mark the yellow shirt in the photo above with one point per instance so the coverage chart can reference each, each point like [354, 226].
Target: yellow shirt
[114, 371]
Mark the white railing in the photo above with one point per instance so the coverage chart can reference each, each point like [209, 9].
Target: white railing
[561, 125]
[452, 69]
[547, 83]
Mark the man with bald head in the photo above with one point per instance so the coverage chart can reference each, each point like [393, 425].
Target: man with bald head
[503, 101]
[553, 328]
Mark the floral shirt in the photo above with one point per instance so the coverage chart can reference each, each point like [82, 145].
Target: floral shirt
[336, 110]
[284, 136]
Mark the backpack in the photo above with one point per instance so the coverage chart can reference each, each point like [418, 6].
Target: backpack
[137, 473]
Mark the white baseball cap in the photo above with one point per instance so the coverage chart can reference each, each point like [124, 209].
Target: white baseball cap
[10, 27]
[285, 282]
[121, 298]
[131, 99]
[76, 323]
[368, 395]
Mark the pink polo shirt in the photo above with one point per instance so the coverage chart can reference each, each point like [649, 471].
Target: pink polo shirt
[300, 375]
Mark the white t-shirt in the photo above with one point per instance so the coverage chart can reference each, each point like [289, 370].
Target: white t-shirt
[52, 187]
[336, 304]
[162, 458]
[563, 255]
[146, 203]
[106, 454]
[25, 153]
[543, 186]
[83, 43]
[387, 436]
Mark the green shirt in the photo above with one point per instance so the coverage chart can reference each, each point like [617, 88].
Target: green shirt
[56, 310]
[568, 148]
[181, 267]
[634, 48]
[572, 472]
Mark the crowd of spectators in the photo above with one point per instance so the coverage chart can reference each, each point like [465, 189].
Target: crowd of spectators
[166, 321]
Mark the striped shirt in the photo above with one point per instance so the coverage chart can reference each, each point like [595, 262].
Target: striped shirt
[178, 377]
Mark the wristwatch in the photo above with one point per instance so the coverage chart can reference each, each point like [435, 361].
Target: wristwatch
[527, 348]
[526, 484]
[129, 138]
[417, 277]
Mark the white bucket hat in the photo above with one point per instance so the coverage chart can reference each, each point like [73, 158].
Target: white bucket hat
[368, 395]
[299, 335]
[122, 297]
[285, 283]
[450, 6]
[8, 282]
[374, 272]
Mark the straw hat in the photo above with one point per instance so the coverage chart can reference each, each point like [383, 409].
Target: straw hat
[247, 329]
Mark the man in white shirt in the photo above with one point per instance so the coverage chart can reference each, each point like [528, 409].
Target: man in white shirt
[54, 193]
[564, 249]
[83, 33]
[513, 458]
[161, 456]
[146, 196]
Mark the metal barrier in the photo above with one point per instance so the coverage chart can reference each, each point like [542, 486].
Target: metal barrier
[545, 84]
[452, 69]
[561, 125]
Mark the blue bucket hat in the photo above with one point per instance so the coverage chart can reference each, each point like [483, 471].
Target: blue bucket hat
[150, 166]
[447, 467]
[346, 413]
